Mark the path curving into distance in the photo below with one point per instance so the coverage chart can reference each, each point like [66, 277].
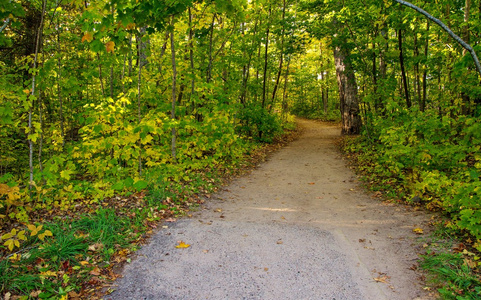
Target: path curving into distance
[297, 227]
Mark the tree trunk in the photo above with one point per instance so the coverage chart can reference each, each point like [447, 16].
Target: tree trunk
[191, 55]
[281, 58]
[403, 71]
[174, 82]
[346, 80]
[32, 93]
[425, 72]
[264, 90]
[417, 84]
[211, 36]
[466, 105]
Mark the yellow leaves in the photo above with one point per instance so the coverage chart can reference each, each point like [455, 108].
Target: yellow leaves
[13, 239]
[49, 274]
[110, 47]
[182, 245]
[35, 231]
[13, 194]
[87, 37]
[418, 230]
[44, 234]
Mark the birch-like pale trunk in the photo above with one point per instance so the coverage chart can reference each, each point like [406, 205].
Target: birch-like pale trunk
[32, 94]
[174, 82]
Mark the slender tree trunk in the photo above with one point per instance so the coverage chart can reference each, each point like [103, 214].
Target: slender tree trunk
[140, 49]
[416, 69]
[284, 92]
[403, 71]
[174, 82]
[59, 88]
[466, 105]
[258, 68]
[281, 58]
[211, 41]
[383, 49]
[32, 93]
[264, 90]
[191, 55]
[425, 71]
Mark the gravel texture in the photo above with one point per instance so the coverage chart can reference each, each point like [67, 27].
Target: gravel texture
[297, 227]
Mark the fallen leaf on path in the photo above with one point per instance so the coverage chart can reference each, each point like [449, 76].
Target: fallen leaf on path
[418, 230]
[205, 251]
[171, 220]
[283, 218]
[182, 245]
[362, 240]
[266, 269]
[218, 210]
[279, 242]
[383, 279]
[311, 183]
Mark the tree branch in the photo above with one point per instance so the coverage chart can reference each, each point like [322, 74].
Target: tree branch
[445, 28]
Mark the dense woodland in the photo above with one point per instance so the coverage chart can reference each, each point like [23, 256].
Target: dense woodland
[106, 98]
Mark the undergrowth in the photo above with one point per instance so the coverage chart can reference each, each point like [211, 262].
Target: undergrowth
[76, 253]
[433, 161]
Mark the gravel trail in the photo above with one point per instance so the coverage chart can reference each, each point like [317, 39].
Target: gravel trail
[297, 227]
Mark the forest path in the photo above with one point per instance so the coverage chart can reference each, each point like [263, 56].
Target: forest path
[297, 227]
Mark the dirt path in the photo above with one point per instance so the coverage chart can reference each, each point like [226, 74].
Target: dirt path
[297, 227]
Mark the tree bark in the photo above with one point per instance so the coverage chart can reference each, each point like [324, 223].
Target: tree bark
[174, 82]
[281, 58]
[403, 70]
[346, 80]
[32, 93]
[264, 90]
[425, 71]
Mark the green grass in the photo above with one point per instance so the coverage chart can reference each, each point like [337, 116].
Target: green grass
[453, 277]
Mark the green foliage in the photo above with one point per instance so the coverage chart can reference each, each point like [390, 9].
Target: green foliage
[260, 123]
[433, 157]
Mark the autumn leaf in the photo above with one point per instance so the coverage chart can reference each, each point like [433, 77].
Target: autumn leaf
[34, 229]
[95, 271]
[44, 234]
[49, 273]
[130, 26]
[110, 47]
[418, 230]
[383, 279]
[87, 37]
[182, 245]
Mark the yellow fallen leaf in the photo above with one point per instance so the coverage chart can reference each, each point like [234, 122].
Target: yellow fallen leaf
[182, 245]
[418, 230]
[84, 263]
[49, 273]
[383, 279]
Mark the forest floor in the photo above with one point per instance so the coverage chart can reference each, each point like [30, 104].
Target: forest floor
[299, 226]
